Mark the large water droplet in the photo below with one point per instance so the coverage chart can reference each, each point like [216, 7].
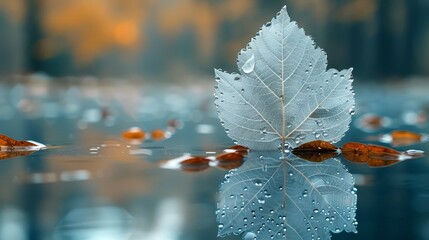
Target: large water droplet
[250, 236]
[249, 65]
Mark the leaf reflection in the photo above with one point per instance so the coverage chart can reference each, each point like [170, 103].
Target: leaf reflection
[271, 198]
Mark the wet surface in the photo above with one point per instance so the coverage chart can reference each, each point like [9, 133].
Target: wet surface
[100, 184]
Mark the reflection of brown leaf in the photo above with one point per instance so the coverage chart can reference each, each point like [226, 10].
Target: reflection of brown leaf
[228, 161]
[373, 155]
[194, 164]
[10, 142]
[12, 154]
[316, 151]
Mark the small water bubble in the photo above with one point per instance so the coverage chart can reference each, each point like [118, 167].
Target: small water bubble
[249, 65]
[261, 201]
[290, 174]
[220, 226]
[325, 133]
[267, 195]
[232, 196]
[306, 71]
[242, 90]
[352, 111]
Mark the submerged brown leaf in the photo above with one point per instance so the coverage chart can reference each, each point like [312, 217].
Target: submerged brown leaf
[316, 151]
[374, 155]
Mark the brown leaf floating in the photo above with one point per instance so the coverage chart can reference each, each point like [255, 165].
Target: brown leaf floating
[316, 151]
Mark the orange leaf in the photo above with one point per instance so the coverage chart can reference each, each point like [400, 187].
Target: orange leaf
[134, 133]
[316, 151]
[373, 155]
[158, 135]
[6, 141]
[228, 161]
[239, 149]
[404, 138]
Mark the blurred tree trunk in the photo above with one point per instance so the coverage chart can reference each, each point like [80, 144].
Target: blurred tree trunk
[33, 31]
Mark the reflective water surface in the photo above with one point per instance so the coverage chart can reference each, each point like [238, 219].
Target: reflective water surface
[95, 184]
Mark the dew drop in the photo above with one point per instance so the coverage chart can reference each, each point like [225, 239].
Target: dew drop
[237, 78]
[249, 65]
[258, 183]
[304, 193]
[261, 201]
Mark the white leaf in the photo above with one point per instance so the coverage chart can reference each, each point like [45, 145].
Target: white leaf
[283, 94]
[273, 198]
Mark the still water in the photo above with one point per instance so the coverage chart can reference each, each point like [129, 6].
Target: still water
[91, 183]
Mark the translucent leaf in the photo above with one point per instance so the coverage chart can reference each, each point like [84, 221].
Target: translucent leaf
[271, 198]
[283, 93]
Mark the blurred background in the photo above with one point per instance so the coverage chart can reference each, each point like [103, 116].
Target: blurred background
[183, 40]
[78, 73]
